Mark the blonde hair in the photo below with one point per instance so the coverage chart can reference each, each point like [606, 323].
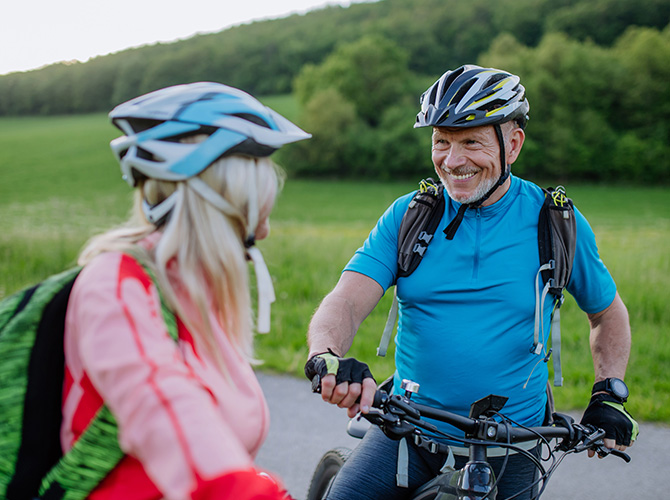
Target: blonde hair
[207, 245]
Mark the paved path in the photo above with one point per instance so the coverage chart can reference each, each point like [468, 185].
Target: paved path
[303, 428]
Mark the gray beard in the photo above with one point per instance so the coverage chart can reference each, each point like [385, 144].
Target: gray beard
[479, 193]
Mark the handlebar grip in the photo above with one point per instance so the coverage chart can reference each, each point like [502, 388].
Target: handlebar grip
[380, 399]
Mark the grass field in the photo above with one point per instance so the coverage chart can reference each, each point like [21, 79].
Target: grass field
[60, 185]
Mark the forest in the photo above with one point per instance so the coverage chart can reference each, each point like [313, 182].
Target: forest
[596, 73]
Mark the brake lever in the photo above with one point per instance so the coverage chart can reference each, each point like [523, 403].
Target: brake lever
[622, 455]
[590, 442]
[397, 402]
[594, 442]
[380, 419]
[603, 451]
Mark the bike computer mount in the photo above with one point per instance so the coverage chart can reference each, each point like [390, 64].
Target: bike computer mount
[487, 406]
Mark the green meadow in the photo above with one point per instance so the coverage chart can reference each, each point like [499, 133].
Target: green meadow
[59, 185]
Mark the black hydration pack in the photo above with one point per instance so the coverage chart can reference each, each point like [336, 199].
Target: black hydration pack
[557, 235]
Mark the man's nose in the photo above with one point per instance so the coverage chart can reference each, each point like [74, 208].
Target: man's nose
[454, 158]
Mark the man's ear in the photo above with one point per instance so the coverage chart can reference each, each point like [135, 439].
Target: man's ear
[515, 140]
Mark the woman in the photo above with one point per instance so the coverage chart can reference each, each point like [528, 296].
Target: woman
[191, 414]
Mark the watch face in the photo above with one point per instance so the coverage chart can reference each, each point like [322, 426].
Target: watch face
[619, 388]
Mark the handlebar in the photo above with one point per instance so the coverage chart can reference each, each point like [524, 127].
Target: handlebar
[399, 416]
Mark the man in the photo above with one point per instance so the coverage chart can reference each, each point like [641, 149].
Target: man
[466, 314]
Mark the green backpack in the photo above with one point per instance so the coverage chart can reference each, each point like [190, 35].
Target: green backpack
[32, 370]
[557, 236]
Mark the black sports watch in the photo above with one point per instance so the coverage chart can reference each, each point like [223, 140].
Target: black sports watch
[614, 386]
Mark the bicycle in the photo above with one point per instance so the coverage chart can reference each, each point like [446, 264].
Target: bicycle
[400, 417]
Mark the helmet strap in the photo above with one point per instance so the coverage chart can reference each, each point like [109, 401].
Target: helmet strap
[212, 197]
[264, 289]
[504, 169]
[159, 213]
[450, 230]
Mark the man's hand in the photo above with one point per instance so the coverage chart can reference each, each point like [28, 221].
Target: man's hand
[607, 413]
[345, 382]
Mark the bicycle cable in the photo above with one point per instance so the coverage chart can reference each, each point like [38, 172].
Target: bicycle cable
[544, 474]
[503, 420]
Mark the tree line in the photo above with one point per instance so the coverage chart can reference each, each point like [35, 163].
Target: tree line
[596, 74]
[596, 113]
[264, 57]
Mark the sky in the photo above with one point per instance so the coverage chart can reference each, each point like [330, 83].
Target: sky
[34, 33]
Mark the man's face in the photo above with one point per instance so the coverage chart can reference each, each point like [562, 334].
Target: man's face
[467, 160]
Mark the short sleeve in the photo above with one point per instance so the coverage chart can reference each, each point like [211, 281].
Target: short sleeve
[378, 257]
[591, 283]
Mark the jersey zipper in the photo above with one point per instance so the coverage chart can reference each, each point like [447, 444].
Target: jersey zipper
[478, 240]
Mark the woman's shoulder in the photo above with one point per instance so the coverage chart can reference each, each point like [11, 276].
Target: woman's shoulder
[117, 265]
[106, 273]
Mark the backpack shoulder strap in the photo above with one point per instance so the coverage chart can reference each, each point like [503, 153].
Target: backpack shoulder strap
[418, 225]
[557, 236]
[32, 370]
[97, 451]
[415, 233]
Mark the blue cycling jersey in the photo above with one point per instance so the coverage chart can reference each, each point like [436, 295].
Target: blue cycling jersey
[466, 315]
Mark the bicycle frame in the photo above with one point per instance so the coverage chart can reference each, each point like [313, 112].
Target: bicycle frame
[475, 481]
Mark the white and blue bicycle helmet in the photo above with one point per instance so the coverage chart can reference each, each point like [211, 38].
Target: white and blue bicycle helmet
[232, 121]
[235, 122]
[153, 124]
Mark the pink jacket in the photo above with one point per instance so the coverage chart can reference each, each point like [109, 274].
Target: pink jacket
[182, 424]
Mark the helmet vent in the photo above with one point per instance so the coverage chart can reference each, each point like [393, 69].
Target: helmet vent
[203, 130]
[494, 79]
[452, 77]
[433, 95]
[462, 91]
[252, 118]
[146, 155]
[141, 124]
[498, 103]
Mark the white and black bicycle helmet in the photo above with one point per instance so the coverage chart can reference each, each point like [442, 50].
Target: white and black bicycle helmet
[472, 96]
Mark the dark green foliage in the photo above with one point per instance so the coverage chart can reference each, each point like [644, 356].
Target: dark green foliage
[359, 105]
[264, 57]
[596, 74]
[603, 21]
[597, 113]
[371, 73]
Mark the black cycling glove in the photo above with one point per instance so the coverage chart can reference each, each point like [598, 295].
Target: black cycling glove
[345, 369]
[607, 413]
